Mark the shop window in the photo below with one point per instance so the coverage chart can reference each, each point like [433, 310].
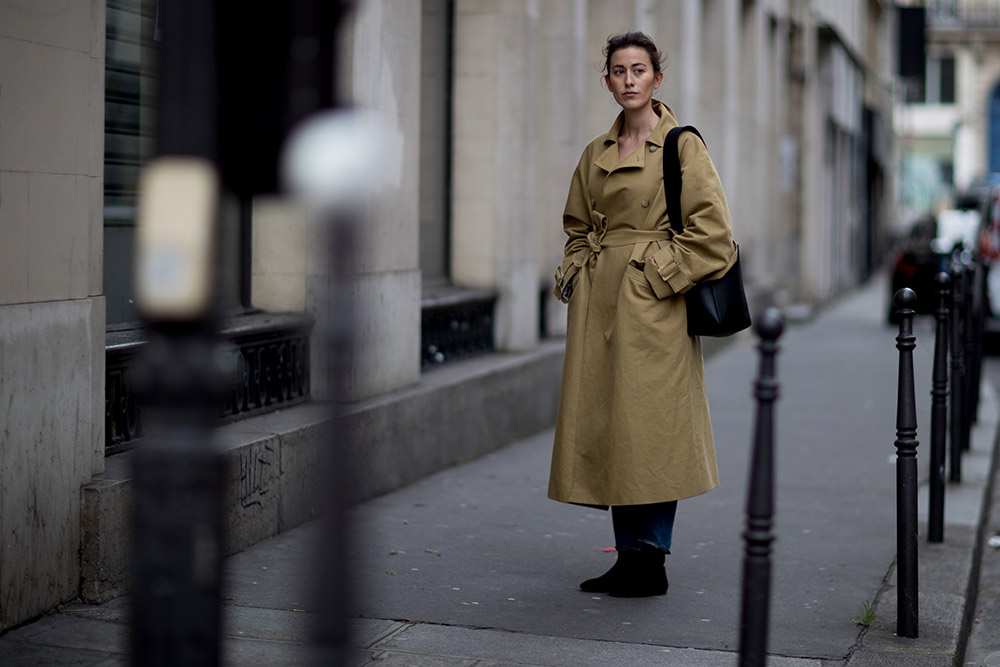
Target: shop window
[132, 36]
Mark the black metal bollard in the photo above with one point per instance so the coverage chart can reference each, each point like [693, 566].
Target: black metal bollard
[760, 501]
[969, 346]
[939, 413]
[977, 335]
[957, 372]
[906, 470]
[179, 474]
[982, 307]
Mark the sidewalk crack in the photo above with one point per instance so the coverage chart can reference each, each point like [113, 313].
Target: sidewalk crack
[391, 633]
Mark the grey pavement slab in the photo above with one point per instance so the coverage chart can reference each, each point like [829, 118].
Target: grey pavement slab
[16, 654]
[501, 647]
[267, 624]
[238, 651]
[114, 611]
[72, 632]
[391, 659]
[275, 573]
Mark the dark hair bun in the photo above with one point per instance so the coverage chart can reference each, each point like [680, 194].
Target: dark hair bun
[625, 40]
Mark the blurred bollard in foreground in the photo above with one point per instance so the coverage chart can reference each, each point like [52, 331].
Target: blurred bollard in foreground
[327, 161]
[939, 413]
[755, 614]
[906, 471]
[178, 474]
[233, 83]
[330, 162]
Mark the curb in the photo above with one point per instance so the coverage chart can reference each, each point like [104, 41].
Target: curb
[948, 573]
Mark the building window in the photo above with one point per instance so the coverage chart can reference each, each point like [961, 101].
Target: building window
[435, 140]
[944, 8]
[132, 35]
[947, 81]
[129, 105]
[938, 85]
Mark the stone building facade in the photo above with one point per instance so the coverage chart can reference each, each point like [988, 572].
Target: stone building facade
[486, 106]
[949, 122]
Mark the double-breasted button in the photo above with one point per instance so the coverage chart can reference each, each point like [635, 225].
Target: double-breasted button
[645, 203]
[653, 148]
[593, 203]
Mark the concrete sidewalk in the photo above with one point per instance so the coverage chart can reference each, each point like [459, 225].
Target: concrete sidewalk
[474, 566]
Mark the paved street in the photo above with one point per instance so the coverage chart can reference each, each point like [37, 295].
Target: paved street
[984, 641]
[474, 566]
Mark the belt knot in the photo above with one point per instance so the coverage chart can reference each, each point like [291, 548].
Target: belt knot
[594, 242]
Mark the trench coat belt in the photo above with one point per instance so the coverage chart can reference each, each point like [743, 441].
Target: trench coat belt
[597, 240]
[619, 237]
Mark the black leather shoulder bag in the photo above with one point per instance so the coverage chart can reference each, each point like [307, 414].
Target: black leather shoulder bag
[715, 307]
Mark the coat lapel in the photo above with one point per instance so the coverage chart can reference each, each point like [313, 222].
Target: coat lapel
[608, 159]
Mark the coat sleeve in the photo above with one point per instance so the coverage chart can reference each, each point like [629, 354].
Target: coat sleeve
[576, 224]
[706, 246]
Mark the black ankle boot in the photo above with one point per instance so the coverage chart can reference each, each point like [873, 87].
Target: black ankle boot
[610, 579]
[645, 576]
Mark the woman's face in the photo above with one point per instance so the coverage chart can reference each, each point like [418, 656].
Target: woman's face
[631, 79]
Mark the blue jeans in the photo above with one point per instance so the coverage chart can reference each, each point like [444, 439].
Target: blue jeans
[644, 527]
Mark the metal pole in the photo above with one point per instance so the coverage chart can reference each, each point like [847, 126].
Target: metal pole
[977, 330]
[906, 470]
[939, 413]
[978, 334]
[760, 501]
[178, 475]
[332, 590]
[332, 629]
[957, 372]
[969, 346]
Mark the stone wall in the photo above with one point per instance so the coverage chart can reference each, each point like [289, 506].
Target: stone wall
[51, 305]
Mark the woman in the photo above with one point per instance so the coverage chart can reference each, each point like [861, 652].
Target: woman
[633, 430]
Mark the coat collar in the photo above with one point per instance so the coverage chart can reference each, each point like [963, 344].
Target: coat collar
[608, 160]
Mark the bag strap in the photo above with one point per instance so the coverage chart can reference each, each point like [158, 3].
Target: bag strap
[672, 175]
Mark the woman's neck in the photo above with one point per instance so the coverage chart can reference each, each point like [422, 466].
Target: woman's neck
[639, 123]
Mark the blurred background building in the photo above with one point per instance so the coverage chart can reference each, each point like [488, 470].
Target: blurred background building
[949, 121]
[487, 106]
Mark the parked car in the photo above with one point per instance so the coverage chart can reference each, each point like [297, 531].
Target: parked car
[988, 249]
[926, 251]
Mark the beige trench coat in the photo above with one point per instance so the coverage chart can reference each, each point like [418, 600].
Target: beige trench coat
[633, 424]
